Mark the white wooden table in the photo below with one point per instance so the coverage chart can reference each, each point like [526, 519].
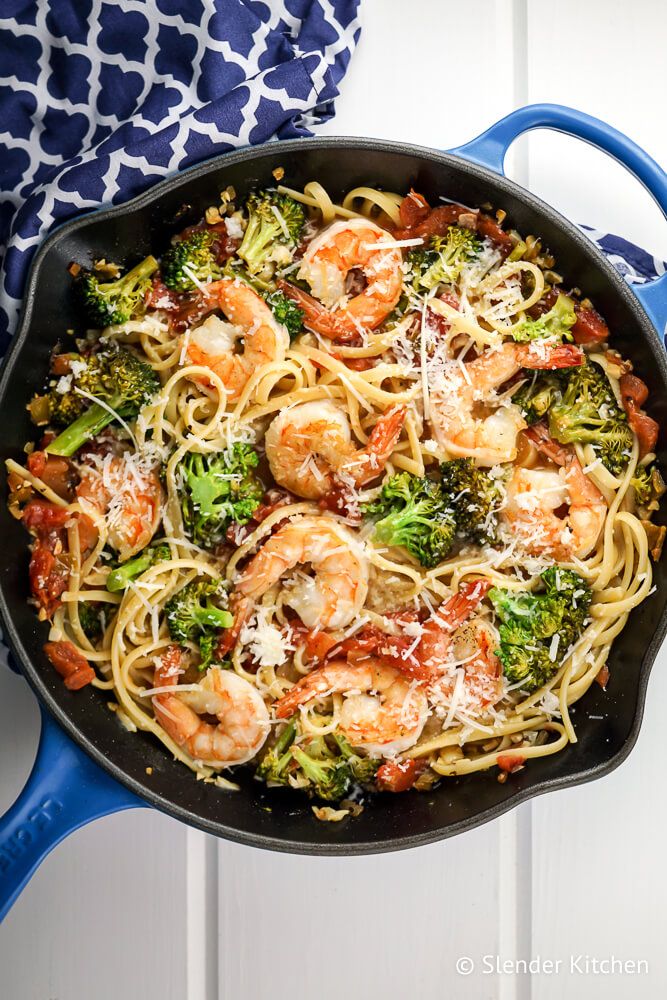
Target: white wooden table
[136, 906]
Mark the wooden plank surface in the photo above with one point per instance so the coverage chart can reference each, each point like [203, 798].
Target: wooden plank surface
[139, 907]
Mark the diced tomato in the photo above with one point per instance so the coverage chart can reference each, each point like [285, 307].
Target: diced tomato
[161, 297]
[49, 576]
[413, 209]
[489, 228]
[58, 473]
[602, 677]
[634, 394]
[398, 775]
[590, 328]
[50, 561]
[40, 515]
[70, 664]
[436, 223]
[438, 220]
[511, 762]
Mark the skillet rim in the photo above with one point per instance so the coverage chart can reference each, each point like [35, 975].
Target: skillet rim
[46, 700]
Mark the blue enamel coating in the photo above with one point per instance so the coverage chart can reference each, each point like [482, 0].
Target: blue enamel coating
[490, 148]
[65, 790]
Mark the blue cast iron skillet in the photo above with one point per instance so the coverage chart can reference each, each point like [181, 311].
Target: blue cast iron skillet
[87, 765]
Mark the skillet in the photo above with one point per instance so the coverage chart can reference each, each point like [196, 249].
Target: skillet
[87, 765]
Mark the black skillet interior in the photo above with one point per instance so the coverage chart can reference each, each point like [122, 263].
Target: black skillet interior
[279, 820]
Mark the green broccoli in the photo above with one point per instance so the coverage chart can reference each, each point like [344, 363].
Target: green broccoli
[190, 261]
[587, 412]
[363, 768]
[275, 221]
[537, 394]
[473, 496]
[273, 766]
[528, 651]
[217, 490]
[110, 302]
[414, 513]
[119, 578]
[444, 260]
[330, 776]
[286, 312]
[119, 380]
[327, 765]
[555, 323]
[192, 615]
[91, 617]
[648, 485]
[642, 483]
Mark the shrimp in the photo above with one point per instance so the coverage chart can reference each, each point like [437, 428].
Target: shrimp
[129, 497]
[534, 496]
[343, 247]
[384, 712]
[489, 438]
[243, 718]
[212, 344]
[337, 590]
[306, 445]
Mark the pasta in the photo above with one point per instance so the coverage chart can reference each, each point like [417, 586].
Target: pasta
[354, 493]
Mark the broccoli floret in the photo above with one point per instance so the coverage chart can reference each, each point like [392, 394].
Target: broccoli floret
[414, 513]
[286, 312]
[642, 483]
[327, 766]
[119, 578]
[91, 617]
[274, 764]
[536, 395]
[190, 261]
[587, 412]
[109, 302]
[363, 768]
[218, 489]
[274, 221]
[120, 381]
[473, 496]
[444, 260]
[529, 621]
[556, 323]
[330, 777]
[191, 612]
[192, 615]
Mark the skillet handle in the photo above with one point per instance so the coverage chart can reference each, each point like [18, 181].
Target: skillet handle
[65, 790]
[490, 148]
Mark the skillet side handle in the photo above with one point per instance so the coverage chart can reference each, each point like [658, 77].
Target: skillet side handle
[65, 790]
[490, 148]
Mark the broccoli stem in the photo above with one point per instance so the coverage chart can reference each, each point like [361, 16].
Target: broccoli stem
[215, 618]
[90, 423]
[119, 578]
[286, 738]
[144, 269]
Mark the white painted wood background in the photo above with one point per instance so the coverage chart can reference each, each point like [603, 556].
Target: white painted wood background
[136, 906]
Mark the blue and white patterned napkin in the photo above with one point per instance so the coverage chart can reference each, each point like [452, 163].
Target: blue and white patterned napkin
[99, 100]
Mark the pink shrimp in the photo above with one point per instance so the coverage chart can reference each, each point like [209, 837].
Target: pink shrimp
[212, 344]
[243, 719]
[343, 247]
[534, 496]
[309, 444]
